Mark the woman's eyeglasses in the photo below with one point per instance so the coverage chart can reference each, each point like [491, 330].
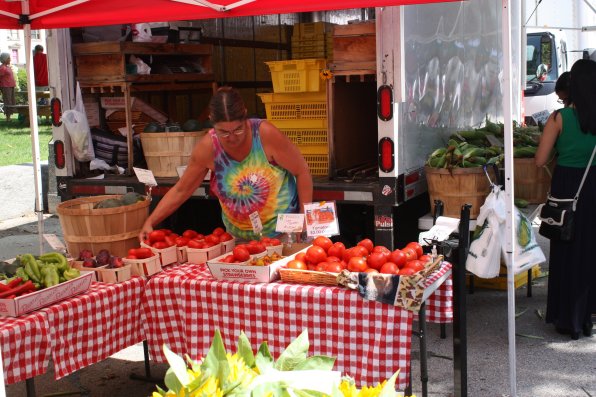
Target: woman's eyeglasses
[226, 134]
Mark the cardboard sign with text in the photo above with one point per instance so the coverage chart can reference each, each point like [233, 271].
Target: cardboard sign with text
[321, 219]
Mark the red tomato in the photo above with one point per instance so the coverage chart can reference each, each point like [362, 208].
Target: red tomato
[398, 257]
[357, 264]
[321, 266]
[212, 239]
[381, 248]
[226, 237]
[369, 270]
[143, 253]
[199, 236]
[301, 256]
[131, 257]
[228, 259]
[190, 234]
[156, 235]
[315, 254]
[195, 244]
[425, 258]
[417, 247]
[275, 241]
[182, 242]
[347, 254]
[333, 259]
[132, 251]
[295, 264]
[160, 245]
[406, 271]
[218, 231]
[389, 268]
[410, 254]
[367, 243]
[337, 249]
[359, 250]
[170, 240]
[241, 254]
[416, 265]
[166, 232]
[333, 267]
[376, 260]
[323, 242]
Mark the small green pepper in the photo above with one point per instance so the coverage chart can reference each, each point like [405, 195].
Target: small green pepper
[71, 273]
[22, 274]
[50, 276]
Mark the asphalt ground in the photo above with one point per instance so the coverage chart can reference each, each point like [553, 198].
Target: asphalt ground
[547, 364]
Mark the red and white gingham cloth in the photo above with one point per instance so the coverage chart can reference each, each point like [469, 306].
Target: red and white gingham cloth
[90, 327]
[25, 345]
[184, 306]
[439, 305]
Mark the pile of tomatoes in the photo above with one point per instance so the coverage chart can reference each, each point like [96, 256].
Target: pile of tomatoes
[325, 255]
[164, 238]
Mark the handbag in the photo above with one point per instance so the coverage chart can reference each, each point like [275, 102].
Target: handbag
[557, 215]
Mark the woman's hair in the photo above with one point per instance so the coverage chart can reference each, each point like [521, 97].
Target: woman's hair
[562, 83]
[5, 56]
[226, 105]
[582, 93]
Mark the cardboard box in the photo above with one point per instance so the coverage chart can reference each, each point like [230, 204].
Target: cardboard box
[228, 246]
[246, 273]
[45, 297]
[182, 254]
[202, 255]
[166, 256]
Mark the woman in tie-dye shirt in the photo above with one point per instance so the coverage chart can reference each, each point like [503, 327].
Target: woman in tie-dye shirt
[256, 169]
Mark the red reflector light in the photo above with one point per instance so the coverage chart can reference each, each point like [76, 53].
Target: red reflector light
[386, 155]
[385, 103]
[59, 157]
[56, 108]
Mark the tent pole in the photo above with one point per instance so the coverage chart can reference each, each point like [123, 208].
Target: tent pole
[34, 127]
[509, 193]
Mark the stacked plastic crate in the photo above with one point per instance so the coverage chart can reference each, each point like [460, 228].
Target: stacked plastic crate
[298, 107]
[312, 40]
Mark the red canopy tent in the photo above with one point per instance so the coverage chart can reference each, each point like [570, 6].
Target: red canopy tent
[49, 14]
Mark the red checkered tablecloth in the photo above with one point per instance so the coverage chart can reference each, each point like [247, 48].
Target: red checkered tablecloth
[25, 345]
[90, 327]
[184, 306]
[439, 305]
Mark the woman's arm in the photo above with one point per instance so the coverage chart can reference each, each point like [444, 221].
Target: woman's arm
[549, 136]
[280, 149]
[189, 182]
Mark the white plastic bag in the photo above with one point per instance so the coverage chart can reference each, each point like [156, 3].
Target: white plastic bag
[484, 256]
[77, 126]
[142, 67]
[526, 250]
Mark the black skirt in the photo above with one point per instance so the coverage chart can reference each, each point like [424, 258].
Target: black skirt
[572, 265]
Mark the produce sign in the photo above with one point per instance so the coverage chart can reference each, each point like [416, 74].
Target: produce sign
[38, 282]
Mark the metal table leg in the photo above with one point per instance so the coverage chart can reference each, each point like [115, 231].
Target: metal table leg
[147, 377]
[30, 386]
[529, 292]
[423, 355]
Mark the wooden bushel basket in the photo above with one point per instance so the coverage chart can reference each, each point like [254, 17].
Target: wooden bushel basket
[115, 229]
[164, 151]
[457, 187]
[531, 183]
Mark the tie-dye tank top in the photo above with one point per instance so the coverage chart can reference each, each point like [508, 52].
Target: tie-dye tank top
[253, 184]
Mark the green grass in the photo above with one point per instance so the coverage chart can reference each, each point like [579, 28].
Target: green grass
[15, 141]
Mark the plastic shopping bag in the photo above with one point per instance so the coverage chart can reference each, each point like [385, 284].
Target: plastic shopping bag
[484, 256]
[526, 250]
[77, 126]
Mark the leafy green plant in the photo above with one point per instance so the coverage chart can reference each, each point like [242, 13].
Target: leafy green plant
[248, 375]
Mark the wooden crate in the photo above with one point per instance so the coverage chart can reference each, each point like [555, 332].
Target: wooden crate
[354, 46]
[500, 282]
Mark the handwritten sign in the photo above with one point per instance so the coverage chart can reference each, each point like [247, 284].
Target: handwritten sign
[289, 223]
[321, 219]
[541, 117]
[255, 219]
[145, 176]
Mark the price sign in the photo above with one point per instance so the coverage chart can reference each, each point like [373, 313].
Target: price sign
[145, 176]
[289, 223]
[257, 226]
[321, 219]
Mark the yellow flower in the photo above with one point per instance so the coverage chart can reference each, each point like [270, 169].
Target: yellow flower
[239, 371]
[367, 391]
[347, 388]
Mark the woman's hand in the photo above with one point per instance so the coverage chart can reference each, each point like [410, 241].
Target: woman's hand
[145, 230]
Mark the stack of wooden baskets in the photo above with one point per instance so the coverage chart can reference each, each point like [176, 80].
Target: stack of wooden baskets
[165, 151]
